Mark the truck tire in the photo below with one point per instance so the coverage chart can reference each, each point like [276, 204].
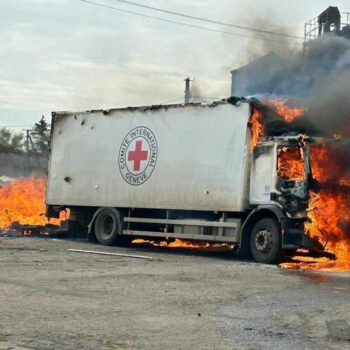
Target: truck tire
[265, 241]
[108, 228]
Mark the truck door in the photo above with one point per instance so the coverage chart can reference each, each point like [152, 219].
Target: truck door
[262, 174]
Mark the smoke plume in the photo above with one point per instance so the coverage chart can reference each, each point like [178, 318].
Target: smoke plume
[327, 67]
[316, 78]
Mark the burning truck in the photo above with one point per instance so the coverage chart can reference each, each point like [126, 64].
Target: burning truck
[231, 171]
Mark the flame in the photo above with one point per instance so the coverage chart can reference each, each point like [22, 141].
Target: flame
[309, 263]
[328, 211]
[179, 243]
[280, 107]
[257, 128]
[23, 201]
[290, 163]
[288, 113]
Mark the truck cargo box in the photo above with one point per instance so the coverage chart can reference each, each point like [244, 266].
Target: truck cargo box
[190, 157]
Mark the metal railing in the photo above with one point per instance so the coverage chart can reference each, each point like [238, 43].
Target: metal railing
[312, 28]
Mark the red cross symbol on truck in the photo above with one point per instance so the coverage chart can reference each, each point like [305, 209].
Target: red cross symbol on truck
[137, 155]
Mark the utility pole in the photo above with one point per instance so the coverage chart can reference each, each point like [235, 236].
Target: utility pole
[29, 142]
[27, 147]
[188, 94]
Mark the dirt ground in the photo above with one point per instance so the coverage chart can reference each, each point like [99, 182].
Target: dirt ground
[55, 299]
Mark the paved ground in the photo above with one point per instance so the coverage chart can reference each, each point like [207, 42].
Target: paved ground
[54, 299]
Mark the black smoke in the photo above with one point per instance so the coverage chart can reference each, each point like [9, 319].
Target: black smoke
[318, 79]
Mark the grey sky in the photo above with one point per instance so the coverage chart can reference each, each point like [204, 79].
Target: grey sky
[69, 55]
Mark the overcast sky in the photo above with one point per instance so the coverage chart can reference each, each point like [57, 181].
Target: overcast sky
[70, 55]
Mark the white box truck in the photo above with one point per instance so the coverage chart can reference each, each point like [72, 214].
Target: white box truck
[177, 171]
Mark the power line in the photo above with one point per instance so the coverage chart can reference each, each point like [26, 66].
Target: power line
[257, 30]
[181, 23]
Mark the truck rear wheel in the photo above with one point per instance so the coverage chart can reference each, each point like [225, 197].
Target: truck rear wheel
[265, 241]
[108, 228]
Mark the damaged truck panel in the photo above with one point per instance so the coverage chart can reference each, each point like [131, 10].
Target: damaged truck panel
[190, 158]
[179, 171]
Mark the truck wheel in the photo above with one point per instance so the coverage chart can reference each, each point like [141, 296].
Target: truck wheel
[265, 241]
[108, 228]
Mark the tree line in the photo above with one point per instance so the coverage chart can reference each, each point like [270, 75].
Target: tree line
[35, 140]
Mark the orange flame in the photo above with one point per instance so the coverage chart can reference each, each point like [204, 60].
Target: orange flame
[290, 163]
[329, 213]
[23, 201]
[288, 113]
[179, 243]
[280, 107]
[257, 128]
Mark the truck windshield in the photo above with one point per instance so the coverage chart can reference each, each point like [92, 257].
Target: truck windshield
[290, 163]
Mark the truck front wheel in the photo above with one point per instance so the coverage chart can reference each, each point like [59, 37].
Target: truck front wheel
[265, 241]
[108, 228]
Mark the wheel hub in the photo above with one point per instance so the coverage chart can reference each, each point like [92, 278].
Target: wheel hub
[107, 226]
[263, 241]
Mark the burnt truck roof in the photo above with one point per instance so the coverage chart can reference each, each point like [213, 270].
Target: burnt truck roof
[274, 124]
[230, 100]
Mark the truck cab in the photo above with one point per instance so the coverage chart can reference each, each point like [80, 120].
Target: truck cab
[280, 181]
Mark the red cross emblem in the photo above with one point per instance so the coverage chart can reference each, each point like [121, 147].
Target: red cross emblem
[137, 155]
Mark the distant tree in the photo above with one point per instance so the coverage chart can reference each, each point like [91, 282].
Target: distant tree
[17, 141]
[5, 138]
[41, 136]
[11, 142]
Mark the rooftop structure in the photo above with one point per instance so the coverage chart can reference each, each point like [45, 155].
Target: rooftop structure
[329, 21]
